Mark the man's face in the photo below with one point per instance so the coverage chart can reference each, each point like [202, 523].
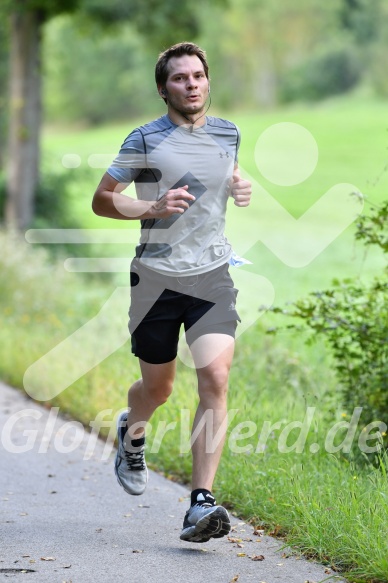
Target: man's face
[187, 85]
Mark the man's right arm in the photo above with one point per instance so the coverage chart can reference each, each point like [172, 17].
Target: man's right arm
[108, 201]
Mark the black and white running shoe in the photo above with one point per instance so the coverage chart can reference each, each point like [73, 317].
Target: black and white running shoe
[203, 522]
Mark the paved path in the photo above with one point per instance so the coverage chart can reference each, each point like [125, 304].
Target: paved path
[64, 518]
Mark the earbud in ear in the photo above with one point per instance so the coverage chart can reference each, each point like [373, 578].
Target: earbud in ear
[163, 92]
[208, 89]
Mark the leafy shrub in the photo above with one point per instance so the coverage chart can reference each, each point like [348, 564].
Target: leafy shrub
[353, 318]
[108, 81]
[331, 70]
[53, 205]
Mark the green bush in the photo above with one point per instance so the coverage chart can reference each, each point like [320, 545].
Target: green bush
[353, 317]
[109, 80]
[331, 70]
[53, 204]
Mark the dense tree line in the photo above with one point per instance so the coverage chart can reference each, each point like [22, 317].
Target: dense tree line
[96, 60]
[26, 19]
[261, 54]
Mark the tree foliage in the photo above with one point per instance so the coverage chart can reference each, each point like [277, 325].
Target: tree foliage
[271, 51]
[161, 23]
[157, 19]
[361, 18]
[3, 85]
[330, 70]
[45, 9]
[93, 90]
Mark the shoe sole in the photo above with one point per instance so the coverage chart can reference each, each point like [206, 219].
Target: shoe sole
[118, 425]
[214, 525]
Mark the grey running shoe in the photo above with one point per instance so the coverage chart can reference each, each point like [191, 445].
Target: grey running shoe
[130, 466]
[203, 522]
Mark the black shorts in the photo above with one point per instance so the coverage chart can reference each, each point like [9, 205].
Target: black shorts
[160, 304]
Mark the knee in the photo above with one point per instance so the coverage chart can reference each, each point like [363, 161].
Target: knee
[157, 393]
[214, 384]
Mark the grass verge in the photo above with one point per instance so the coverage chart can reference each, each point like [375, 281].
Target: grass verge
[327, 508]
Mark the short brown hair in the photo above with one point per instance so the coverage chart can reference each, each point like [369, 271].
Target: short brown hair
[178, 50]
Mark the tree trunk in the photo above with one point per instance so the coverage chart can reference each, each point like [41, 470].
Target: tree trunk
[25, 117]
[265, 87]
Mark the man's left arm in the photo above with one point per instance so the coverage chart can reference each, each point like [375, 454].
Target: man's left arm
[241, 189]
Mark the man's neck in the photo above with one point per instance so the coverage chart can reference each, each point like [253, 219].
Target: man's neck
[194, 120]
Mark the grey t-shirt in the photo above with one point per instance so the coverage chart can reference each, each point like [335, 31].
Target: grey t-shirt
[160, 156]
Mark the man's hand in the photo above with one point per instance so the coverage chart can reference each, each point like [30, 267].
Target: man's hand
[241, 189]
[174, 201]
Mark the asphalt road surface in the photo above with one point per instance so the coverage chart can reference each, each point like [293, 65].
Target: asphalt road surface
[65, 519]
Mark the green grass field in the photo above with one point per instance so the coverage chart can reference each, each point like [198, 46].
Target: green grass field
[328, 508]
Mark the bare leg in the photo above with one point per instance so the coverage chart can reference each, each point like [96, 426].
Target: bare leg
[212, 390]
[148, 393]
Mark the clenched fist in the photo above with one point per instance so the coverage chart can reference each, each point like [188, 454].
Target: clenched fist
[241, 189]
[174, 201]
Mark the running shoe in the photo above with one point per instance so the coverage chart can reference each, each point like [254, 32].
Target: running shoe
[130, 466]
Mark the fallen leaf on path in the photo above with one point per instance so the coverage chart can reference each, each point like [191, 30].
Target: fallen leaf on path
[234, 579]
[241, 554]
[232, 539]
[66, 566]
[258, 532]
[137, 551]
[47, 558]
[257, 557]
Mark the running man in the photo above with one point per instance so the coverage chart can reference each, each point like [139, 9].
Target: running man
[184, 166]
